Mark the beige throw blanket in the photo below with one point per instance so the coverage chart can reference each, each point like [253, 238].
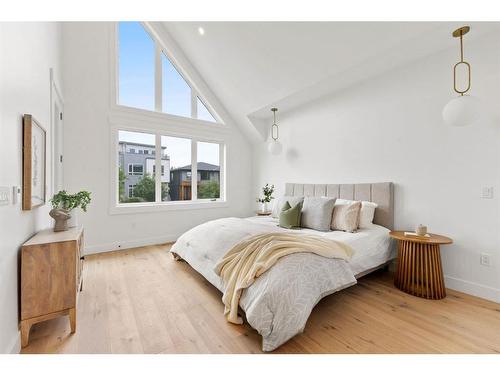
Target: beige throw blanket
[250, 258]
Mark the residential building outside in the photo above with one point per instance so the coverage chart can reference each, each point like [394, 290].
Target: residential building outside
[137, 160]
[208, 182]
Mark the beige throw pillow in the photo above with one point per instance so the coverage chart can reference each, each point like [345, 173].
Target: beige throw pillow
[346, 216]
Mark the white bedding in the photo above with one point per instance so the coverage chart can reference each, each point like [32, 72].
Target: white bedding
[280, 301]
[372, 245]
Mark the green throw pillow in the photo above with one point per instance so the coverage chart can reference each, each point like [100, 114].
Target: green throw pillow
[290, 216]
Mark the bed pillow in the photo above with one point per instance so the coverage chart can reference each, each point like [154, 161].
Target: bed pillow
[346, 215]
[317, 213]
[290, 216]
[367, 214]
[279, 203]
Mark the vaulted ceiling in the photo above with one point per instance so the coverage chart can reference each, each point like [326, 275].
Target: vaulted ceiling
[252, 66]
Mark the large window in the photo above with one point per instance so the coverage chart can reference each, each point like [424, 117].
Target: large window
[179, 158]
[149, 80]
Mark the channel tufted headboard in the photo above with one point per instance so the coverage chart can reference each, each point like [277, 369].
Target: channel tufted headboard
[381, 193]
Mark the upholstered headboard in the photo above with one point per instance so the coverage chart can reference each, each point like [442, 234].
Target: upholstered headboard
[381, 193]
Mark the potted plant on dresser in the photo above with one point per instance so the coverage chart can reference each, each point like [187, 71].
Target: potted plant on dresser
[63, 208]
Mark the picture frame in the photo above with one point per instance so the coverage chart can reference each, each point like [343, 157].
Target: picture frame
[34, 163]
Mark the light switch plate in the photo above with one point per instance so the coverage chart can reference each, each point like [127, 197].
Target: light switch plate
[16, 192]
[487, 192]
[4, 195]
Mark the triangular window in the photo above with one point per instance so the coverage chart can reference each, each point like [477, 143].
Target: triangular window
[145, 72]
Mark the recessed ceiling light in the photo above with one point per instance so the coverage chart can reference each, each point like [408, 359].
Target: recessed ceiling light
[201, 30]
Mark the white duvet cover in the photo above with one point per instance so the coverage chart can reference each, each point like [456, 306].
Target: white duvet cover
[280, 301]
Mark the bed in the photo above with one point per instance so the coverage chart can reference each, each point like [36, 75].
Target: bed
[280, 301]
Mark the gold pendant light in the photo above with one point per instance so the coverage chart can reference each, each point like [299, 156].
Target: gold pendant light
[463, 110]
[274, 146]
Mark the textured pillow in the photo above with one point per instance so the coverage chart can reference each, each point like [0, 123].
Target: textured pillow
[279, 203]
[366, 214]
[317, 213]
[290, 216]
[346, 216]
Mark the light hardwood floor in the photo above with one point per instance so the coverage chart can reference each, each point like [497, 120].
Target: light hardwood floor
[142, 301]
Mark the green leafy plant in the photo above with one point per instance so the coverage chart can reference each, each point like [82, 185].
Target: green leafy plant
[268, 194]
[70, 201]
[145, 190]
[210, 189]
[121, 183]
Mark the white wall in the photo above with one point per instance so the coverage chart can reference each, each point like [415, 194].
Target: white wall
[87, 83]
[389, 128]
[28, 51]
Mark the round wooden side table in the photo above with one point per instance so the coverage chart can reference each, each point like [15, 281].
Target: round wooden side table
[419, 271]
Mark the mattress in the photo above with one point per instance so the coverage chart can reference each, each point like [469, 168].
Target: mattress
[372, 246]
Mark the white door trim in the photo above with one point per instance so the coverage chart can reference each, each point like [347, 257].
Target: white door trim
[55, 98]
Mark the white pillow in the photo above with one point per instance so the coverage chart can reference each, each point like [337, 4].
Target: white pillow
[367, 212]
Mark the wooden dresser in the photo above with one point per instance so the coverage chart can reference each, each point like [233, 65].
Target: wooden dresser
[51, 277]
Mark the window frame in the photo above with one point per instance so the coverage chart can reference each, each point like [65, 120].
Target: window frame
[131, 170]
[131, 189]
[160, 47]
[124, 208]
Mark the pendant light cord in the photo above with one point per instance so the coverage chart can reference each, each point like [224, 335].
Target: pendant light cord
[461, 47]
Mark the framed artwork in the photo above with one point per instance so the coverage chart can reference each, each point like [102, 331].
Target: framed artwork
[34, 162]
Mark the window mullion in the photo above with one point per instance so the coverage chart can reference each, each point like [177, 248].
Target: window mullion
[194, 104]
[158, 156]
[158, 78]
[222, 171]
[194, 169]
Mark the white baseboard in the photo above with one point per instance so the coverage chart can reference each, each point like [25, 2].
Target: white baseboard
[15, 345]
[120, 245]
[469, 287]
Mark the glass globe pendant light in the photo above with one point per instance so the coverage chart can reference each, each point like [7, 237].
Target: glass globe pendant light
[464, 109]
[274, 146]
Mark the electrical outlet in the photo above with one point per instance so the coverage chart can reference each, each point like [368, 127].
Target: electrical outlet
[487, 192]
[485, 260]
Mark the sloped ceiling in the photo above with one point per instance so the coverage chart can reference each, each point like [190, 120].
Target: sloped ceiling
[253, 66]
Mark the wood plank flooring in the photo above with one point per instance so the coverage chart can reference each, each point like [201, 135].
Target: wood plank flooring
[142, 301]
